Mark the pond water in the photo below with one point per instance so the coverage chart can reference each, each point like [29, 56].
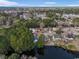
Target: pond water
[50, 52]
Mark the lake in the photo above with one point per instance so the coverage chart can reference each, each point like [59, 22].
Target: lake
[51, 52]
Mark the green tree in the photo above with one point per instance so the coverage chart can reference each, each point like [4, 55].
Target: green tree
[40, 42]
[76, 21]
[49, 22]
[31, 23]
[4, 45]
[14, 56]
[20, 38]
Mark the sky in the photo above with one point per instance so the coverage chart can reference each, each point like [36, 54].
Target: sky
[39, 3]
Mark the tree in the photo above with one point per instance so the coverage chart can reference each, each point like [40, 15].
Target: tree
[31, 23]
[20, 38]
[40, 42]
[14, 56]
[76, 21]
[49, 22]
[4, 45]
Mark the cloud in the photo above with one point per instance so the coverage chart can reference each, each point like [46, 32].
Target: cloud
[73, 5]
[47, 4]
[44, 4]
[7, 3]
[50, 3]
[12, 3]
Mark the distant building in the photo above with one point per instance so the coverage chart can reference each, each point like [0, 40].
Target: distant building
[40, 15]
[70, 16]
[25, 16]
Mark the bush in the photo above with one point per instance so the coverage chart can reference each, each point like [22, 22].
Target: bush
[71, 47]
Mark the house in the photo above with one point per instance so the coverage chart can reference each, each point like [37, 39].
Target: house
[40, 15]
[26, 15]
[56, 37]
[70, 16]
